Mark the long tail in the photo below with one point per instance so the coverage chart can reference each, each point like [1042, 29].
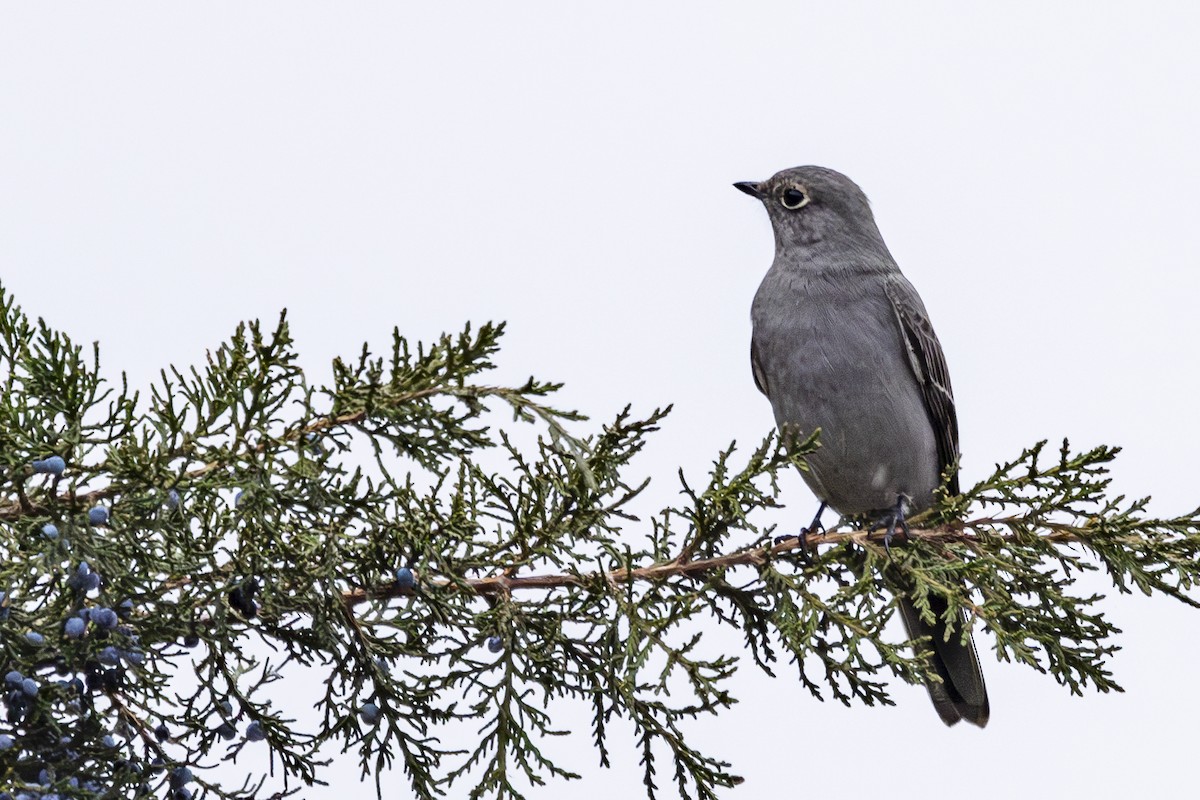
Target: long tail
[961, 694]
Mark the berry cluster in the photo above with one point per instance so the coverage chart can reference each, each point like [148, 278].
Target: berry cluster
[72, 675]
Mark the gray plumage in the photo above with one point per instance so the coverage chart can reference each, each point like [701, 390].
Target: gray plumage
[842, 342]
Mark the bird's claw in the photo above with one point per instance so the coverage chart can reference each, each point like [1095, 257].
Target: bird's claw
[802, 537]
[894, 519]
[891, 533]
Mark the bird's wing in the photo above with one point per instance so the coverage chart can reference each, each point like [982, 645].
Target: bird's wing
[929, 365]
[760, 377]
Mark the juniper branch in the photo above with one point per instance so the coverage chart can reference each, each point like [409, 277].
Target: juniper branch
[504, 584]
[531, 544]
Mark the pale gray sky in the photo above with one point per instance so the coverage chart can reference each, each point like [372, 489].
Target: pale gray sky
[169, 169]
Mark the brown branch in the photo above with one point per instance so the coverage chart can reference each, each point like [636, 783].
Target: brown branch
[15, 511]
[506, 584]
[137, 723]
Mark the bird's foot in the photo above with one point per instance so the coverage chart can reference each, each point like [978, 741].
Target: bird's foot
[893, 520]
[814, 527]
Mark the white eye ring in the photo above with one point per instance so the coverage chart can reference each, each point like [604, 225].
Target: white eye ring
[789, 200]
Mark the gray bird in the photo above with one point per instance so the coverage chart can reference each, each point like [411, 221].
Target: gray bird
[842, 342]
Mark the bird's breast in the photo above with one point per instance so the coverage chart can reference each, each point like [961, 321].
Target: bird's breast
[833, 358]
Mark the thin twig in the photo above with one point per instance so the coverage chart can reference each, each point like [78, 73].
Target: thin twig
[504, 583]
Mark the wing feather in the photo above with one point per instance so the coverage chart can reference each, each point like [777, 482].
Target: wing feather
[760, 377]
[929, 365]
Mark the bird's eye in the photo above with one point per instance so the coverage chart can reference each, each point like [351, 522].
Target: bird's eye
[794, 198]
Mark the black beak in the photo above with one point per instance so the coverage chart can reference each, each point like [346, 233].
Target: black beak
[749, 187]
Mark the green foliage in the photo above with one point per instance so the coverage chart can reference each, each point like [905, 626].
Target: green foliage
[527, 538]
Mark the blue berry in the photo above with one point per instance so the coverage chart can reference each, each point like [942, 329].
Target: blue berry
[14, 678]
[6, 741]
[30, 687]
[255, 732]
[370, 713]
[81, 577]
[54, 465]
[50, 531]
[109, 742]
[226, 708]
[135, 657]
[495, 644]
[104, 618]
[180, 777]
[125, 609]
[74, 628]
[191, 640]
[226, 731]
[237, 498]
[241, 598]
[173, 500]
[35, 638]
[91, 582]
[162, 733]
[98, 515]
[405, 578]
[113, 678]
[109, 656]
[17, 704]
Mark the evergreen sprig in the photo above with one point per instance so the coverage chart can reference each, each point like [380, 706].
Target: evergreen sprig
[436, 568]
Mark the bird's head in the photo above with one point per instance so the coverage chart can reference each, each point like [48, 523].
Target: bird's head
[809, 206]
